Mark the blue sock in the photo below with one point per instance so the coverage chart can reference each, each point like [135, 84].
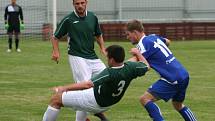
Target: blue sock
[154, 111]
[187, 114]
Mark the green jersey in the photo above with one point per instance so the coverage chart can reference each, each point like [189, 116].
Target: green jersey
[81, 32]
[111, 84]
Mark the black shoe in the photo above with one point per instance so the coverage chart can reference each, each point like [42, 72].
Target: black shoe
[101, 116]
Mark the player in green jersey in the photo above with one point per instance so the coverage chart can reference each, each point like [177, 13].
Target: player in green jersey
[102, 91]
[82, 29]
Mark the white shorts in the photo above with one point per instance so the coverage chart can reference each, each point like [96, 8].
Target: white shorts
[84, 69]
[82, 100]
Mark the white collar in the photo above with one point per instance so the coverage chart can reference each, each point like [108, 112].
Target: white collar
[142, 37]
[78, 15]
[116, 67]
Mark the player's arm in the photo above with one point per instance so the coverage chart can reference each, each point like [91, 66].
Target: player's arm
[55, 50]
[6, 18]
[5, 15]
[75, 86]
[167, 41]
[138, 56]
[101, 44]
[59, 33]
[99, 37]
[21, 15]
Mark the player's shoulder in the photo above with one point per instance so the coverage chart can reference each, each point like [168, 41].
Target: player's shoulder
[18, 5]
[132, 63]
[68, 16]
[155, 36]
[7, 5]
[106, 73]
[145, 41]
[91, 13]
[150, 38]
[134, 66]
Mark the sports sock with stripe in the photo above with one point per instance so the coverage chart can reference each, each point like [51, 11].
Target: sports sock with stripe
[154, 111]
[187, 114]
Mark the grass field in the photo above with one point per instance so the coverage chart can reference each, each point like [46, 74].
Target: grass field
[26, 79]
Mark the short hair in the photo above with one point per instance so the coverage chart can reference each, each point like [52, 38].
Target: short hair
[74, 0]
[135, 25]
[116, 52]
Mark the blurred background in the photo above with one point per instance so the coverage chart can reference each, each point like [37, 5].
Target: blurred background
[26, 77]
[176, 19]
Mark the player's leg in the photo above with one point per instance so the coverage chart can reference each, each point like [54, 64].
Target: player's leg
[10, 38]
[147, 100]
[185, 112]
[101, 116]
[82, 100]
[80, 69]
[81, 72]
[159, 90]
[81, 116]
[177, 103]
[97, 66]
[17, 32]
[17, 42]
[54, 107]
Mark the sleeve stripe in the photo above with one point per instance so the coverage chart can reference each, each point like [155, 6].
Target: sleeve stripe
[142, 67]
[100, 78]
[57, 31]
[145, 66]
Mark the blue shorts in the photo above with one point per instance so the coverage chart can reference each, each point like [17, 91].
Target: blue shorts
[166, 91]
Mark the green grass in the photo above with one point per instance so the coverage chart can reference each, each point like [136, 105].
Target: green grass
[26, 79]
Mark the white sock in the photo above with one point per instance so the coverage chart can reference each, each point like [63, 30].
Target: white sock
[50, 114]
[81, 116]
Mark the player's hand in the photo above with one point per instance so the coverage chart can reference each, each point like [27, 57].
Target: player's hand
[6, 26]
[134, 51]
[55, 55]
[22, 26]
[59, 89]
[134, 59]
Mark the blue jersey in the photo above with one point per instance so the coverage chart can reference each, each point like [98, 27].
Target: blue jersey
[161, 59]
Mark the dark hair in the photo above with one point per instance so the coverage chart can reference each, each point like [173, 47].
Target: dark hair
[135, 25]
[116, 52]
[74, 0]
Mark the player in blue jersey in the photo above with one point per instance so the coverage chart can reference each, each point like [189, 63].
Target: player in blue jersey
[174, 78]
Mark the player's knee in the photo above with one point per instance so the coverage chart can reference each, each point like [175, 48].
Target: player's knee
[144, 100]
[56, 100]
[177, 105]
[146, 97]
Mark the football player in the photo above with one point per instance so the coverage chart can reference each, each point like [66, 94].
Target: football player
[174, 78]
[102, 91]
[13, 23]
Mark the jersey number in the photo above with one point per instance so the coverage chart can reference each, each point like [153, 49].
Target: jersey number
[164, 49]
[120, 88]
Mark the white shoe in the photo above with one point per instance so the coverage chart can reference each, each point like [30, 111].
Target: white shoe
[18, 50]
[9, 50]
